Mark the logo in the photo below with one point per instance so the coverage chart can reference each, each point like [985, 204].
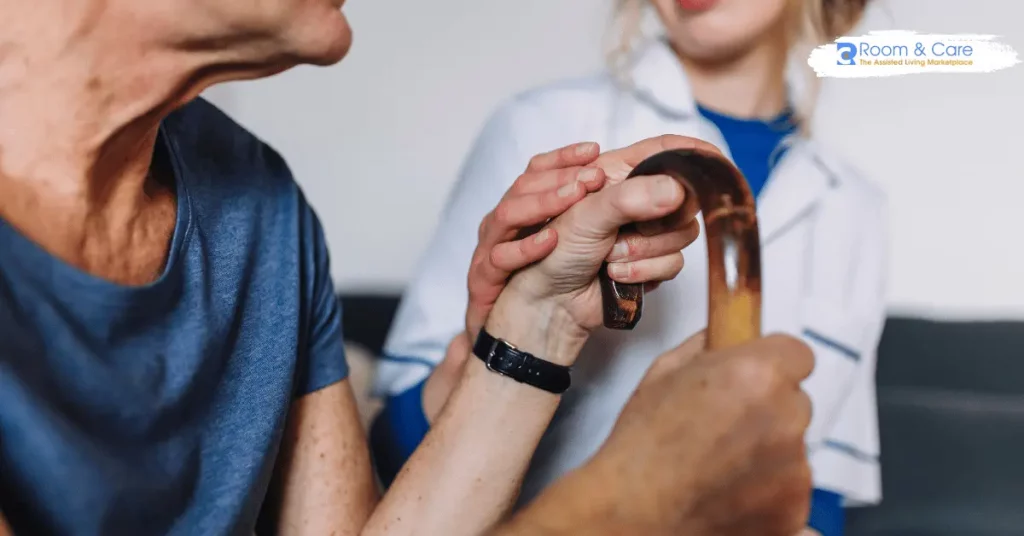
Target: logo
[847, 51]
[901, 52]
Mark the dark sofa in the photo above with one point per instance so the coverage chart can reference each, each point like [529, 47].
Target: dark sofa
[951, 407]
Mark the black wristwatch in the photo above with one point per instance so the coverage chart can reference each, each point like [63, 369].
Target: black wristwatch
[507, 360]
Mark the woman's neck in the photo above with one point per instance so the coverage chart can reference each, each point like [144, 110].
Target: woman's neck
[751, 85]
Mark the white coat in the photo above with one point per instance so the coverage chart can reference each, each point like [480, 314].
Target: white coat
[823, 254]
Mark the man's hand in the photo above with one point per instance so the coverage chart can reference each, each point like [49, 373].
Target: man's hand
[729, 427]
[589, 235]
[710, 443]
[556, 181]
[4, 529]
[551, 184]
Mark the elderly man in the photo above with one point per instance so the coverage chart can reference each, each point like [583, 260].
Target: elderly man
[171, 358]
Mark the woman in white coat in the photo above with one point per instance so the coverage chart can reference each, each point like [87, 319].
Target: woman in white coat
[719, 74]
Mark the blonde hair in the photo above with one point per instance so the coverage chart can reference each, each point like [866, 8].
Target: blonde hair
[810, 23]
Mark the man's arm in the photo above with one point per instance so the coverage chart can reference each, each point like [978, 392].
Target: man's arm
[438, 302]
[324, 483]
[463, 477]
[5, 529]
[466, 473]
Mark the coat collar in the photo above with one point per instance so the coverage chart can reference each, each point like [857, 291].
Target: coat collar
[658, 78]
[801, 177]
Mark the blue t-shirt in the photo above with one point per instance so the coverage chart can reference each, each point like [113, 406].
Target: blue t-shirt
[756, 145]
[158, 409]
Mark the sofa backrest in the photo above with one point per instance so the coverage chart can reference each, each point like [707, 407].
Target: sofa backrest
[951, 409]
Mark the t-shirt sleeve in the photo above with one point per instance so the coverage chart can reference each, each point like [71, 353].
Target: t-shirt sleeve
[325, 361]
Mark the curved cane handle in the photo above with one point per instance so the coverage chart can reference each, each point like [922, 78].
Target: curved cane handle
[734, 248]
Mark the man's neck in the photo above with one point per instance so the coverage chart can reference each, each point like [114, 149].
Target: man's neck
[79, 117]
[750, 85]
[79, 114]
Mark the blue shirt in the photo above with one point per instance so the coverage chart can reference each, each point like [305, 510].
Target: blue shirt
[756, 147]
[158, 409]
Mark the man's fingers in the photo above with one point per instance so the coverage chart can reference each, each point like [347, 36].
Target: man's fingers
[620, 162]
[797, 359]
[677, 220]
[577, 154]
[511, 256]
[693, 345]
[635, 246]
[661, 268]
[638, 199]
[678, 356]
[794, 359]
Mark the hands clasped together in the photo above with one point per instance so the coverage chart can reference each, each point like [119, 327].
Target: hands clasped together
[711, 442]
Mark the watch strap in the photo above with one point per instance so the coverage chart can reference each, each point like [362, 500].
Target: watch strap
[523, 367]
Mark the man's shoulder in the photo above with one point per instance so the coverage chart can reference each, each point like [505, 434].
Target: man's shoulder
[239, 188]
[217, 152]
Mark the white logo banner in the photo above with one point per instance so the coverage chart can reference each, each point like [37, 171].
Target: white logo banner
[893, 53]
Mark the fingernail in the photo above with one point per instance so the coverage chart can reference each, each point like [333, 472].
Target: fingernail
[584, 148]
[618, 269]
[542, 236]
[664, 191]
[620, 250]
[567, 190]
[587, 174]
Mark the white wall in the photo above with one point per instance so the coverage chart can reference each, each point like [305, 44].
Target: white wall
[376, 141]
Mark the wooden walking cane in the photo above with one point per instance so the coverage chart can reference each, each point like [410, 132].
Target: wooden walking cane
[733, 243]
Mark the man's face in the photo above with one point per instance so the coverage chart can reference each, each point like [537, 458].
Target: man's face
[299, 31]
